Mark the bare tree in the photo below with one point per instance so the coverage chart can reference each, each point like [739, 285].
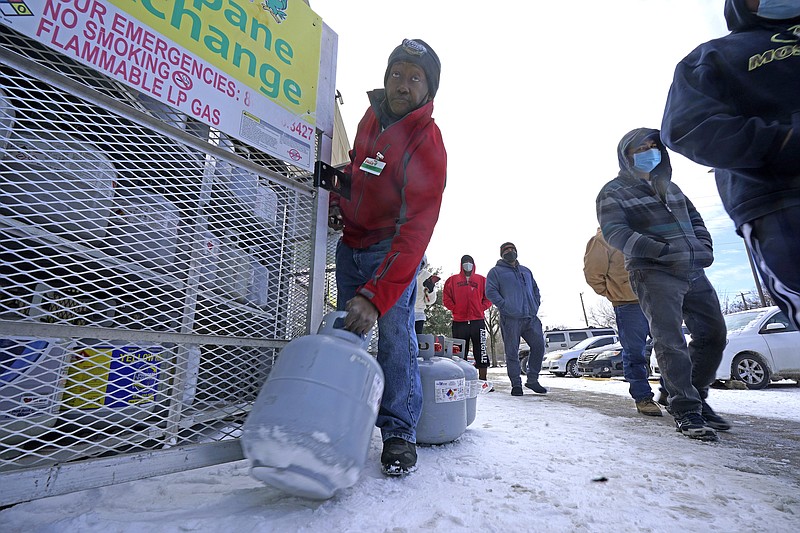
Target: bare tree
[492, 332]
[602, 315]
[742, 301]
[557, 327]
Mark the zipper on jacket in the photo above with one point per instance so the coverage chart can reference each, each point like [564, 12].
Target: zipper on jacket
[685, 237]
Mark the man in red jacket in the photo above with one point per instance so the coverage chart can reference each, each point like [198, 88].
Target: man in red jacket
[398, 169]
[464, 295]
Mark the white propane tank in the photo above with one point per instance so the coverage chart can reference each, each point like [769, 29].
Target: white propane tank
[470, 375]
[444, 407]
[310, 427]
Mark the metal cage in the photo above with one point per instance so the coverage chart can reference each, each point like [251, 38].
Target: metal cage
[152, 269]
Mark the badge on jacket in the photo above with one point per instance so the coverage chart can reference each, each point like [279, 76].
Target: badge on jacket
[372, 165]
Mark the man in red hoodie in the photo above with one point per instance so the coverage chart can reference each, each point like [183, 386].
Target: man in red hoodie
[464, 295]
[398, 169]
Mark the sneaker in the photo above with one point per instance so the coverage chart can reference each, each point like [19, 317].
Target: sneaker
[535, 387]
[714, 420]
[516, 391]
[695, 427]
[399, 457]
[648, 407]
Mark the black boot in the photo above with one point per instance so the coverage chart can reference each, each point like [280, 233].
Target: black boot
[535, 387]
[399, 457]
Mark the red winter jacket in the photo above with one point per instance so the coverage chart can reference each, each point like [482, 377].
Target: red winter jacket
[402, 203]
[466, 298]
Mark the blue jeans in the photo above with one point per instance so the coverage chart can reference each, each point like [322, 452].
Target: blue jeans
[633, 330]
[401, 404]
[668, 300]
[529, 329]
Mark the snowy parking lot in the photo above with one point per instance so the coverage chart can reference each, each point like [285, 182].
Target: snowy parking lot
[577, 459]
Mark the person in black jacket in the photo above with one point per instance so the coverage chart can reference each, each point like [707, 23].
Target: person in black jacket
[666, 247]
[734, 105]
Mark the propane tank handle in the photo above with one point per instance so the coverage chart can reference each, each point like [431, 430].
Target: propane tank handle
[425, 342]
[326, 327]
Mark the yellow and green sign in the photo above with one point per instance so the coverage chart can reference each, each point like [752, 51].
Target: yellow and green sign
[273, 47]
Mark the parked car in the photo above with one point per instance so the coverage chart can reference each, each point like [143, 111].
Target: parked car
[524, 352]
[564, 339]
[762, 346]
[564, 362]
[605, 362]
[654, 371]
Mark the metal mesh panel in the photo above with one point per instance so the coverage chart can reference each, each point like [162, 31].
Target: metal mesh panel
[150, 272]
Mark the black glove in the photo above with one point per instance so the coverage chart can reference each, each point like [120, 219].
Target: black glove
[428, 284]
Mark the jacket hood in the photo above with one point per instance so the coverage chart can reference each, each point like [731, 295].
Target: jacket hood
[464, 259]
[740, 18]
[661, 175]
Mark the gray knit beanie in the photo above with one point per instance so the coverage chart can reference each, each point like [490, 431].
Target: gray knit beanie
[420, 53]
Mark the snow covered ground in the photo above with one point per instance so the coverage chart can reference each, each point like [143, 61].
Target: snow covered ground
[578, 459]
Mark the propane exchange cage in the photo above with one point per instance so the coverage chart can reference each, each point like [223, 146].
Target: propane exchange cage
[153, 267]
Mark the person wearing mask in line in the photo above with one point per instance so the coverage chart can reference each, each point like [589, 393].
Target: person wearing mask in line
[426, 294]
[512, 289]
[646, 216]
[398, 168]
[734, 105]
[464, 294]
[604, 270]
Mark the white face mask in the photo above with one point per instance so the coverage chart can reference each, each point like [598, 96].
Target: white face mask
[778, 9]
[467, 267]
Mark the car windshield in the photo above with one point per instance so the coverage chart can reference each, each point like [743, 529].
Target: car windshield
[584, 343]
[740, 321]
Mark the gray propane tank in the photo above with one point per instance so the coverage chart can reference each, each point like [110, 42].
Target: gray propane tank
[310, 427]
[470, 375]
[444, 407]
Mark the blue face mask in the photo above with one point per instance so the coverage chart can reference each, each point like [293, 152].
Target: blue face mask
[778, 9]
[647, 161]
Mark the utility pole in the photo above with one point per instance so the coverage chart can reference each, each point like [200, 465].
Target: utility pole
[584, 312]
[744, 302]
[755, 275]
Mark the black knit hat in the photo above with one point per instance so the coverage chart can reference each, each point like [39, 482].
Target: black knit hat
[506, 245]
[467, 259]
[421, 54]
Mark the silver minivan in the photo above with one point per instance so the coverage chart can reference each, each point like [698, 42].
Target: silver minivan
[564, 339]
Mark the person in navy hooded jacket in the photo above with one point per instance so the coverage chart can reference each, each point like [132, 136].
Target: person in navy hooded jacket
[734, 105]
[512, 289]
[398, 169]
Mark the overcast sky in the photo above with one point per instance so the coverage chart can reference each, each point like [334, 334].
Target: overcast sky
[533, 100]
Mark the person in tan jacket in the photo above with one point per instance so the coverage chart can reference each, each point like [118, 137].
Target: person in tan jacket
[604, 270]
